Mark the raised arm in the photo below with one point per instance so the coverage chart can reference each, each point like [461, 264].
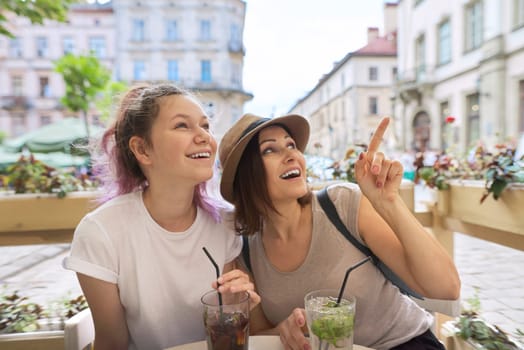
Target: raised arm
[108, 314]
[392, 231]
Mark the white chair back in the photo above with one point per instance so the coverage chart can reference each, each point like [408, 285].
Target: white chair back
[79, 331]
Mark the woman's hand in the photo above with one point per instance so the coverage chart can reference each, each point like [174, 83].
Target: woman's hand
[378, 178]
[292, 331]
[237, 281]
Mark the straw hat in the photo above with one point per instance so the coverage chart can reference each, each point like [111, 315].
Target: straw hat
[235, 140]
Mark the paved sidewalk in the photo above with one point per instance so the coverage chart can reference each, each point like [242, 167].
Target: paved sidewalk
[497, 272]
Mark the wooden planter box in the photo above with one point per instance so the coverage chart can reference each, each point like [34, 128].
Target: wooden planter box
[77, 332]
[42, 218]
[500, 221]
[44, 340]
[452, 341]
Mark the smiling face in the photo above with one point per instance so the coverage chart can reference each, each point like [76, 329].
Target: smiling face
[284, 164]
[182, 149]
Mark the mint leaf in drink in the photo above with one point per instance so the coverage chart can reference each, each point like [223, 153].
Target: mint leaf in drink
[332, 328]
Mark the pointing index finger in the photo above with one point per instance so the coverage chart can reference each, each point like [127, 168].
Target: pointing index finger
[376, 139]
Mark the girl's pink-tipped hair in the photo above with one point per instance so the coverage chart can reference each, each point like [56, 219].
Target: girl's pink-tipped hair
[113, 162]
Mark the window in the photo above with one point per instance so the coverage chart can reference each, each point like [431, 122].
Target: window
[518, 13]
[521, 106]
[420, 57]
[172, 70]
[444, 42]
[138, 32]
[15, 48]
[45, 90]
[139, 70]
[171, 30]
[17, 85]
[235, 41]
[97, 45]
[373, 73]
[394, 73]
[417, 2]
[205, 30]
[68, 45]
[45, 119]
[473, 25]
[41, 46]
[445, 128]
[205, 71]
[473, 115]
[373, 105]
[235, 74]
[18, 124]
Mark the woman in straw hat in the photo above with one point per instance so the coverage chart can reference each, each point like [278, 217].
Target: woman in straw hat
[295, 249]
[135, 254]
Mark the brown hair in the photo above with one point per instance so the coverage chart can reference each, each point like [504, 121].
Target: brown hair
[250, 194]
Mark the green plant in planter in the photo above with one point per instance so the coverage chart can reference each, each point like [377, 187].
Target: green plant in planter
[345, 168]
[29, 175]
[497, 170]
[471, 327]
[17, 315]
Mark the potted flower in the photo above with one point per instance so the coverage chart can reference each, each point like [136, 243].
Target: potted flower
[44, 204]
[470, 331]
[28, 325]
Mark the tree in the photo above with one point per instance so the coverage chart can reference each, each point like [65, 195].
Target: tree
[35, 10]
[84, 77]
[107, 100]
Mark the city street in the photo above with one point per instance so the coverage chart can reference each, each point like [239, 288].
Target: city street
[494, 271]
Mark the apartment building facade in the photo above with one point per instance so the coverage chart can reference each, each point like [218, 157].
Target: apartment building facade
[463, 61]
[347, 103]
[30, 89]
[194, 43]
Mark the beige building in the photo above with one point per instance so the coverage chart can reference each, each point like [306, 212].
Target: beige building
[195, 43]
[464, 59]
[30, 90]
[347, 103]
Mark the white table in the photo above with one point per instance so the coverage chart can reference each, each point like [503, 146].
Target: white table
[256, 342]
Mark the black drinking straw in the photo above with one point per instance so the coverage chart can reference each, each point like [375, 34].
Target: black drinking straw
[218, 273]
[366, 259]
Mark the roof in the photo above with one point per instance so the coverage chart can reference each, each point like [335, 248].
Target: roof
[381, 46]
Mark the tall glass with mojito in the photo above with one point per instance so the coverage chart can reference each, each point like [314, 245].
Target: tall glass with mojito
[330, 325]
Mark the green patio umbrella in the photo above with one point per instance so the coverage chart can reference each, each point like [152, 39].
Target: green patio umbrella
[55, 137]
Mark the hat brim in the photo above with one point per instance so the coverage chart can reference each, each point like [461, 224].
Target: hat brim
[297, 125]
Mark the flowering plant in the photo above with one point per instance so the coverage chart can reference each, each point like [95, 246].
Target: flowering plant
[498, 170]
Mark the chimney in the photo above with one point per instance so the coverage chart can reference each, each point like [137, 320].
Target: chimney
[390, 18]
[372, 34]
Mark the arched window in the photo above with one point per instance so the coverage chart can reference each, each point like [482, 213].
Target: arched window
[421, 131]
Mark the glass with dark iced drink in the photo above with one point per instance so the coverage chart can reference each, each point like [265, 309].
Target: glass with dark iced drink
[226, 320]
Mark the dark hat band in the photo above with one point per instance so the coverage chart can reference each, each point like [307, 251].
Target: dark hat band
[253, 126]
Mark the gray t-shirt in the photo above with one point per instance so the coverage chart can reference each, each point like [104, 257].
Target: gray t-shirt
[384, 317]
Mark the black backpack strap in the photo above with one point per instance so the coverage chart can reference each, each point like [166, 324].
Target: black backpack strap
[245, 253]
[331, 212]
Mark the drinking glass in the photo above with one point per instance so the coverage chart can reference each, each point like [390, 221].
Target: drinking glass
[226, 320]
[330, 325]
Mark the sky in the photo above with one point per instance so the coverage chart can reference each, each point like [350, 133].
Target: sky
[290, 44]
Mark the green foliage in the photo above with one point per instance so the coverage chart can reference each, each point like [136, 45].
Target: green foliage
[498, 170]
[471, 327]
[107, 98]
[85, 77]
[17, 315]
[35, 10]
[29, 175]
[345, 168]
[2, 136]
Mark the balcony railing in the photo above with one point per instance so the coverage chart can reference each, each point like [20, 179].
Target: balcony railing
[16, 102]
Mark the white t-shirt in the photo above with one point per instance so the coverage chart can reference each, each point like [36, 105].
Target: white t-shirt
[160, 275]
